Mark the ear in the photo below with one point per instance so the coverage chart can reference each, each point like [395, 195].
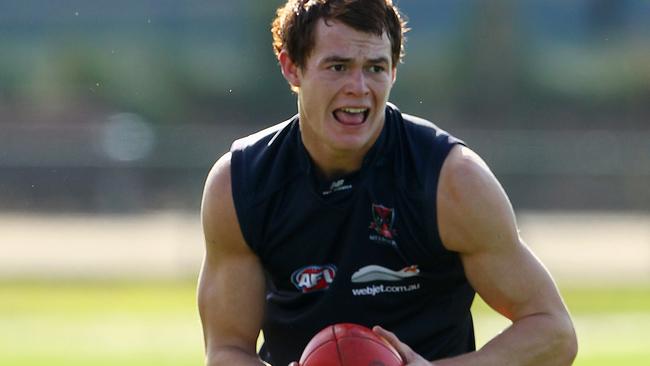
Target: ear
[394, 75]
[289, 69]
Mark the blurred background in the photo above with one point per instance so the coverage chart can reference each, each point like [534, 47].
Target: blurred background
[112, 113]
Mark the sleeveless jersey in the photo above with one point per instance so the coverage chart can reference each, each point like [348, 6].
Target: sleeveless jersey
[363, 248]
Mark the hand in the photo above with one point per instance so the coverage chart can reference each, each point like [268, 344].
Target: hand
[410, 357]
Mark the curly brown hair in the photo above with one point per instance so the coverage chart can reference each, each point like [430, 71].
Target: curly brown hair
[293, 27]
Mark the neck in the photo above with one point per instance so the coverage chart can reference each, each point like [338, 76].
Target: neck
[335, 166]
[332, 163]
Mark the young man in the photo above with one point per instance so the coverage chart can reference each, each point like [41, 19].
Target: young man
[354, 212]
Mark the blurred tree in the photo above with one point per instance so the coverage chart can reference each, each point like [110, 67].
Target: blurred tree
[606, 16]
[489, 63]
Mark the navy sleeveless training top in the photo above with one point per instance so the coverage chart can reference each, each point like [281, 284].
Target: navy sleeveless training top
[362, 248]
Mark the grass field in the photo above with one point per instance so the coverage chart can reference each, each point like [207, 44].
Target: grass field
[153, 320]
[156, 323]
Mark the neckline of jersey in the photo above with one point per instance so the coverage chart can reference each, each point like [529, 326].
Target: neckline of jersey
[373, 157]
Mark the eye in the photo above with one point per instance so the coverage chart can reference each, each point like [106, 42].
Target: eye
[337, 67]
[376, 69]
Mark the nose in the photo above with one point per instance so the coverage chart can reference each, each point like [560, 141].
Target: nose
[356, 84]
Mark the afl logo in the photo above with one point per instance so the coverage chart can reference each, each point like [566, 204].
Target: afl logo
[313, 278]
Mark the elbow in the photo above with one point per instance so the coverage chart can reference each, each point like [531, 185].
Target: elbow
[571, 346]
[566, 343]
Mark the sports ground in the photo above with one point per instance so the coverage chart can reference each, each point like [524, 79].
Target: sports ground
[120, 290]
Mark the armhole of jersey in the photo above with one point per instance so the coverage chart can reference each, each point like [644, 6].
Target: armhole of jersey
[438, 157]
[246, 154]
[240, 197]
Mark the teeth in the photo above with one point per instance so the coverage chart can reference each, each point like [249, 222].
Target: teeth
[354, 110]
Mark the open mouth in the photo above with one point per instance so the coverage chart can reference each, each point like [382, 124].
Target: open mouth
[351, 116]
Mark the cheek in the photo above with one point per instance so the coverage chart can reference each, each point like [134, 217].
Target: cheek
[381, 95]
[382, 83]
[320, 99]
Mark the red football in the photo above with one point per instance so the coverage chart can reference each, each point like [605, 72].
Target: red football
[349, 344]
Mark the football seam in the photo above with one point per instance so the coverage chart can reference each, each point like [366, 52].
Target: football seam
[338, 350]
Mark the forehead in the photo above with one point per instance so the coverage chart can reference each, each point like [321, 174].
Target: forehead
[334, 38]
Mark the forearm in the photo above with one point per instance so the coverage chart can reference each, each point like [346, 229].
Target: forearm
[232, 356]
[537, 340]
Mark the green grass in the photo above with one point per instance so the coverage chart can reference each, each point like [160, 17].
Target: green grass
[156, 323]
[99, 324]
[612, 324]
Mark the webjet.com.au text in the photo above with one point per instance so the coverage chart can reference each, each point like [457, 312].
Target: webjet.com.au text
[380, 289]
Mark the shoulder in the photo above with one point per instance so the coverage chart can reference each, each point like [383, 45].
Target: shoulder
[262, 137]
[423, 141]
[421, 148]
[221, 227]
[421, 125]
[465, 169]
[473, 208]
[263, 162]
[218, 181]
[217, 203]
[422, 130]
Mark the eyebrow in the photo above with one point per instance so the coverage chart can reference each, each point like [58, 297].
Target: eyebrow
[341, 59]
[379, 60]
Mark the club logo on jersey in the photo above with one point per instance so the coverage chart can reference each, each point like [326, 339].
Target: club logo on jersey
[378, 273]
[313, 278]
[383, 219]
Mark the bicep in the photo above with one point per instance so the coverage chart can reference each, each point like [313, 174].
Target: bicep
[477, 221]
[231, 284]
[230, 299]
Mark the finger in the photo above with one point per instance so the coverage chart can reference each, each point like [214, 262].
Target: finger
[294, 364]
[390, 337]
[402, 348]
[383, 332]
[386, 334]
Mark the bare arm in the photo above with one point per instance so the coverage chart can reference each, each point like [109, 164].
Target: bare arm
[477, 221]
[231, 284]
